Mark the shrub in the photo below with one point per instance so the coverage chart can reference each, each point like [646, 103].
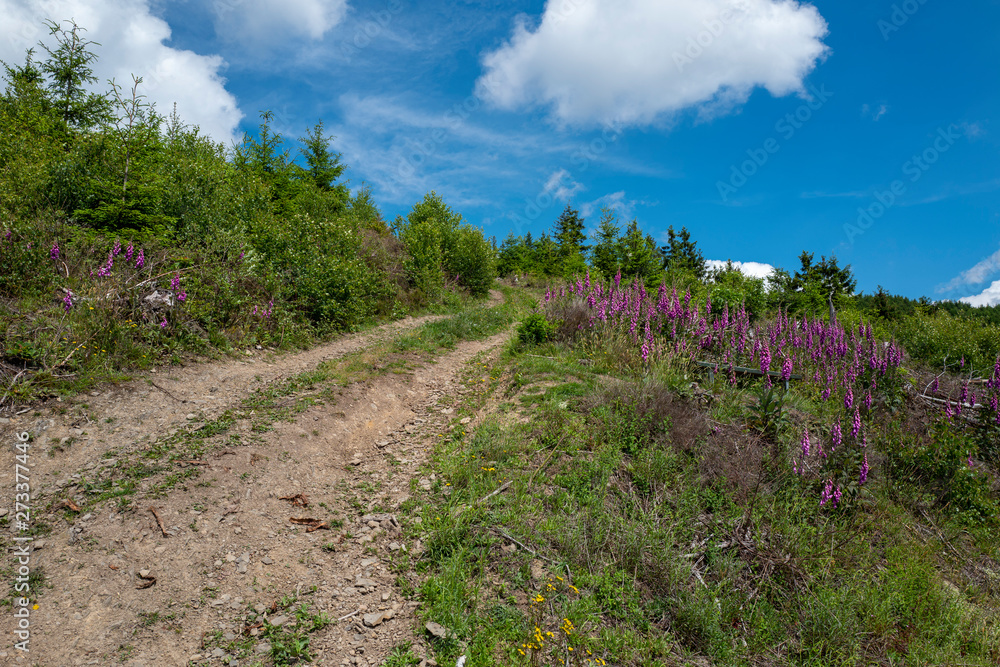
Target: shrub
[535, 329]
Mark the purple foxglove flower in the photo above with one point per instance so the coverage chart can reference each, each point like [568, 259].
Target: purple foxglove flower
[935, 385]
[141, 259]
[849, 398]
[182, 296]
[856, 425]
[175, 281]
[805, 444]
[164, 322]
[863, 476]
[128, 252]
[68, 301]
[54, 253]
[117, 248]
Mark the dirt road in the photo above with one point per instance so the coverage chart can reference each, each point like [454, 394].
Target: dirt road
[218, 574]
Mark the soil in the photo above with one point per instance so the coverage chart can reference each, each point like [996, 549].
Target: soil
[230, 545]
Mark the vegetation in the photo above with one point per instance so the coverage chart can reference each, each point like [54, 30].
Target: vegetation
[622, 504]
[128, 238]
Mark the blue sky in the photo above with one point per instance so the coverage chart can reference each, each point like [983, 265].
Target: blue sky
[766, 128]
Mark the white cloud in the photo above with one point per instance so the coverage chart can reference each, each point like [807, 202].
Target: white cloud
[977, 275]
[132, 41]
[562, 186]
[616, 201]
[252, 22]
[988, 297]
[875, 114]
[634, 61]
[753, 269]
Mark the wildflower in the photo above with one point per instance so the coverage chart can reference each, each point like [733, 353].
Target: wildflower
[116, 250]
[182, 295]
[849, 399]
[128, 252]
[141, 259]
[68, 301]
[856, 425]
[935, 385]
[805, 444]
[175, 281]
[54, 253]
[164, 322]
[863, 477]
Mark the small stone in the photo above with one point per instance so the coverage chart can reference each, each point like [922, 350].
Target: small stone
[238, 530]
[259, 608]
[394, 546]
[144, 573]
[372, 620]
[218, 653]
[385, 597]
[160, 549]
[266, 561]
[439, 631]
[447, 411]
[241, 568]
[191, 416]
[465, 420]
[278, 621]
[263, 647]
[86, 517]
[368, 562]
[218, 563]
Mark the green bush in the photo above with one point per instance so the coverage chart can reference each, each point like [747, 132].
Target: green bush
[535, 329]
[935, 339]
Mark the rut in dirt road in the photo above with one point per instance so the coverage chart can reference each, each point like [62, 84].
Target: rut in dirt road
[215, 589]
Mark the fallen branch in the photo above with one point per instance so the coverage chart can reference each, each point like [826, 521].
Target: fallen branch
[503, 487]
[353, 613]
[298, 500]
[311, 524]
[179, 400]
[526, 548]
[159, 522]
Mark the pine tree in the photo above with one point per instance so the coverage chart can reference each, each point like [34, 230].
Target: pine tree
[681, 254]
[570, 236]
[607, 252]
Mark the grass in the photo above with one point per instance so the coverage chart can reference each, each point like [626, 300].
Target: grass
[659, 529]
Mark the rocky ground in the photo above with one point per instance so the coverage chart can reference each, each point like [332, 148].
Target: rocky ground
[202, 564]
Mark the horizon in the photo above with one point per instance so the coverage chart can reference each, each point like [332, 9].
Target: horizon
[845, 136]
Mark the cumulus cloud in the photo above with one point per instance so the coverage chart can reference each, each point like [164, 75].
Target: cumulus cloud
[252, 22]
[988, 297]
[634, 61]
[562, 185]
[752, 269]
[132, 42]
[977, 275]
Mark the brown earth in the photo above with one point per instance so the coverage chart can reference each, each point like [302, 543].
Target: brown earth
[231, 554]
